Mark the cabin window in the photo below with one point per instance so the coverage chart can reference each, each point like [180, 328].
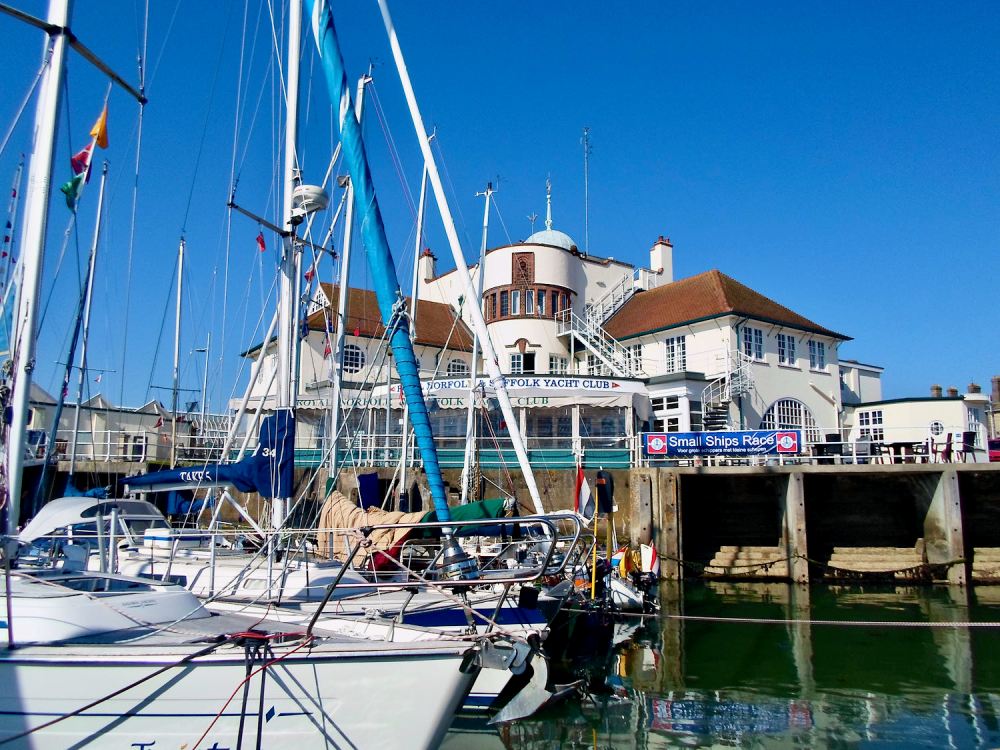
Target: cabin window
[458, 367]
[354, 358]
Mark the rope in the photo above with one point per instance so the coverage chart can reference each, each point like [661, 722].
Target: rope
[850, 623]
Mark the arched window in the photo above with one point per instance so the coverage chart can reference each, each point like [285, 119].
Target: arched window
[789, 414]
[458, 367]
[354, 358]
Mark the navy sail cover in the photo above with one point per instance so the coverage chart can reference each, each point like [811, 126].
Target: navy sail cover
[269, 471]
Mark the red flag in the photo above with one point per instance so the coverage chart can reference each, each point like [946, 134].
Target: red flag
[583, 501]
[159, 423]
[309, 274]
[357, 331]
[327, 350]
[80, 160]
[260, 241]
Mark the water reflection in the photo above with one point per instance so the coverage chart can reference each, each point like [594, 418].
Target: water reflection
[804, 678]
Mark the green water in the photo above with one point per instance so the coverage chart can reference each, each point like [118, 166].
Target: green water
[691, 683]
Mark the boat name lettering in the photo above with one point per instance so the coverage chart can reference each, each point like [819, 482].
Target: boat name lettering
[202, 475]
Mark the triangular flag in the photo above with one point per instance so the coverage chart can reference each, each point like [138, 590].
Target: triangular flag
[309, 274]
[357, 331]
[327, 350]
[80, 160]
[159, 423]
[98, 378]
[100, 130]
[260, 241]
[71, 190]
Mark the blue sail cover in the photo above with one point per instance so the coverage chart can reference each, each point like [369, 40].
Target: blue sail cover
[383, 270]
[269, 471]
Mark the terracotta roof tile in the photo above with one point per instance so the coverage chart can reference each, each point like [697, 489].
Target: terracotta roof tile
[708, 295]
[435, 320]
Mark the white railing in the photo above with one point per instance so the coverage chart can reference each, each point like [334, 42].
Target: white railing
[736, 380]
[613, 299]
[607, 349]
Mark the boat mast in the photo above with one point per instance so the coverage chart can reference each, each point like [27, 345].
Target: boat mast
[344, 280]
[404, 457]
[86, 321]
[470, 419]
[177, 352]
[33, 247]
[489, 353]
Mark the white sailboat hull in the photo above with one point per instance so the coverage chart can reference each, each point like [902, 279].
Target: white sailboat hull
[329, 696]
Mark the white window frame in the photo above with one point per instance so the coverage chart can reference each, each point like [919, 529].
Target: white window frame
[515, 302]
[529, 302]
[458, 367]
[675, 354]
[786, 349]
[753, 343]
[541, 303]
[517, 363]
[817, 355]
[558, 365]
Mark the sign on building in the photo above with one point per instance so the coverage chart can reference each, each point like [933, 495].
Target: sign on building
[739, 443]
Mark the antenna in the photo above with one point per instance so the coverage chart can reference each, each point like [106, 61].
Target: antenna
[532, 217]
[586, 189]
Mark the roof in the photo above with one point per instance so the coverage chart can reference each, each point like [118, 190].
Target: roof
[435, 320]
[551, 237]
[708, 295]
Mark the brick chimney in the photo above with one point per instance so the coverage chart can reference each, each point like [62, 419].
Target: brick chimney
[974, 388]
[996, 389]
[427, 266]
[953, 392]
[935, 391]
[661, 260]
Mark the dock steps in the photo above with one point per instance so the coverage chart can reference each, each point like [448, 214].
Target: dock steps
[901, 562]
[986, 564]
[733, 561]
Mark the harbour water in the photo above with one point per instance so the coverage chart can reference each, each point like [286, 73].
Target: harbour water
[872, 666]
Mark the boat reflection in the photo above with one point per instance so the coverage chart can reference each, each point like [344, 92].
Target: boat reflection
[789, 666]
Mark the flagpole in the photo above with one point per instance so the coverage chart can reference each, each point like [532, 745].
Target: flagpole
[86, 320]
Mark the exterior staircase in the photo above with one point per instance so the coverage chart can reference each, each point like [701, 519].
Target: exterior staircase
[732, 561]
[736, 380]
[902, 563]
[615, 357]
[619, 293]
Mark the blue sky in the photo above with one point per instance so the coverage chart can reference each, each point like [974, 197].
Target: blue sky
[843, 159]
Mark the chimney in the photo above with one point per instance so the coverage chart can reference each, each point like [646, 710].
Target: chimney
[426, 268]
[952, 392]
[996, 389]
[661, 261]
[935, 391]
[974, 388]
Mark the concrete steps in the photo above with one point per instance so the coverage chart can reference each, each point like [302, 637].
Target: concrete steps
[734, 561]
[902, 562]
[986, 564]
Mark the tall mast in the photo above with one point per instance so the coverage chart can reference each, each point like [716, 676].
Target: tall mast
[344, 280]
[287, 304]
[33, 250]
[86, 320]
[470, 417]
[489, 353]
[586, 189]
[177, 352]
[404, 457]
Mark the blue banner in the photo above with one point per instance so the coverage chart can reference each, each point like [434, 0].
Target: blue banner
[738, 443]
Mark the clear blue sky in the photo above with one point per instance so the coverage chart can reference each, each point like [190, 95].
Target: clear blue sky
[843, 159]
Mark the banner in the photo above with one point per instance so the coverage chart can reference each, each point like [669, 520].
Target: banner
[739, 443]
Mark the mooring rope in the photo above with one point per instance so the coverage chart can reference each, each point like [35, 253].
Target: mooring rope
[850, 623]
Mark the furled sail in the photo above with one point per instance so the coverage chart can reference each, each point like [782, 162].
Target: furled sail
[269, 471]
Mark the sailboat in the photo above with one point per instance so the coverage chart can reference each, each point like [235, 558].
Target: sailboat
[93, 658]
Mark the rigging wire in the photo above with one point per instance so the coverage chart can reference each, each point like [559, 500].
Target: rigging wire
[27, 98]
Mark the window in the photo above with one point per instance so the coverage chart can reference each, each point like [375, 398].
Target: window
[665, 403]
[676, 353]
[936, 428]
[504, 304]
[817, 355]
[515, 302]
[563, 301]
[786, 349]
[529, 302]
[595, 366]
[870, 425]
[667, 424]
[558, 365]
[541, 303]
[633, 354]
[458, 367]
[789, 414]
[354, 358]
[521, 364]
[753, 343]
[493, 305]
